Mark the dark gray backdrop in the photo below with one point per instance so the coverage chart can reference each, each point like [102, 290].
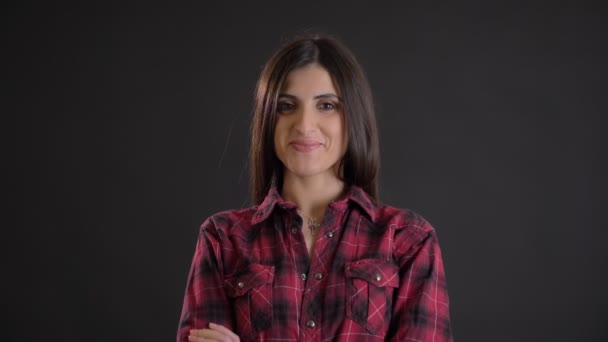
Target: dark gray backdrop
[126, 126]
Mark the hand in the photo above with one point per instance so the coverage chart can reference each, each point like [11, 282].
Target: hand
[215, 332]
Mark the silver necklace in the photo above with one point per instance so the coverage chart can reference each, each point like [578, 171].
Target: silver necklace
[313, 223]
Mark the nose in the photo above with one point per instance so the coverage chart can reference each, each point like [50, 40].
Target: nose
[305, 120]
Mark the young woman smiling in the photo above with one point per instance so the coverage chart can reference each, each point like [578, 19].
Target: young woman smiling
[317, 258]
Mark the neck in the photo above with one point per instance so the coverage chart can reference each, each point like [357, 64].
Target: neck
[311, 194]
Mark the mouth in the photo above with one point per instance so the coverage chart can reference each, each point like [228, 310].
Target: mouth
[305, 145]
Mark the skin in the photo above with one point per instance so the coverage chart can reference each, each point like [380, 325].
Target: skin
[310, 140]
[215, 332]
[310, 111]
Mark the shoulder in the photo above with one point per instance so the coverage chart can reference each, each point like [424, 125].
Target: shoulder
[384, 217]
[409, 231]
[402, 221]
[227, 220]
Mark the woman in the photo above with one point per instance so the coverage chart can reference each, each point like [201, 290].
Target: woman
[317, 258]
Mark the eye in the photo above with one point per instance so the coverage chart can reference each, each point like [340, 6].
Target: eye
[284, 107]
[327, 106]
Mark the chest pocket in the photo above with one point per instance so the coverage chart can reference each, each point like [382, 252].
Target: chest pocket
[251, 291]
[369, 293]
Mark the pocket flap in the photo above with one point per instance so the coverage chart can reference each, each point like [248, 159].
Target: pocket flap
[380, 273]
[253, 276]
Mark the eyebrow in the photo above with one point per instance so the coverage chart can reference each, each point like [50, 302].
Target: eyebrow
[321, 96]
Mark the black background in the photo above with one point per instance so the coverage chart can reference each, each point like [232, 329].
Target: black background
[127, 125]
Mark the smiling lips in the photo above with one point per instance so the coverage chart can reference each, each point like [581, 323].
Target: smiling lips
[301, 145]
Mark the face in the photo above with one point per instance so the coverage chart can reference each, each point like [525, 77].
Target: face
[310, 138]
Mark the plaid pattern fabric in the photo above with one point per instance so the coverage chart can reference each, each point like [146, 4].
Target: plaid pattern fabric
[376, 274]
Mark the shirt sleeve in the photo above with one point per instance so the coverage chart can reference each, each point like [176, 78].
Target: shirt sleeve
[421, 303]
[205, 300]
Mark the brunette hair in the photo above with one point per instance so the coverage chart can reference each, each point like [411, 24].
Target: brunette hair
[361, 162]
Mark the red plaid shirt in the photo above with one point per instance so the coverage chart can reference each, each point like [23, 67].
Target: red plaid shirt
[376, 274]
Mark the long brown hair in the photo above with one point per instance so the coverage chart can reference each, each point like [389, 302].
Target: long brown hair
[361, 162]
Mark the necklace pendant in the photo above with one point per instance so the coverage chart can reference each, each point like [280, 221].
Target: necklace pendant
[313, 224]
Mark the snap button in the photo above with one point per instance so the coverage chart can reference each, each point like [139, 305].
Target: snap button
[311, 324]
[319, 276]
[377, 277]
[294, 230]
[330, 234]
[241, 284]
[303, 276]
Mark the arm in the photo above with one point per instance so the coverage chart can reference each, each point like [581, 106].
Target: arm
[421, 303]
[205, 300]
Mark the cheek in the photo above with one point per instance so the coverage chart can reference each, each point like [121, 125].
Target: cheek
[279, 135]
[277, 144]
[339, 133]
[344, 142]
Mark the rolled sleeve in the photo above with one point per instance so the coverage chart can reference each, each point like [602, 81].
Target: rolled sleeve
[421, 309]
[205, 299]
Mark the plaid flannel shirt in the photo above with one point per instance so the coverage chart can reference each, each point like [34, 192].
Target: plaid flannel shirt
[376, 274]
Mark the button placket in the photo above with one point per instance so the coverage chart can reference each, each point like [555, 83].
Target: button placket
[314, 289]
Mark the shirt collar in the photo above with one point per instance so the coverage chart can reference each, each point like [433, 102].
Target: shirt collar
[265, 208]
[354, 194]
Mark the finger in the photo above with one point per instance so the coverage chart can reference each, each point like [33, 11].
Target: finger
[224, 330]
[209, 335]
[193, 338]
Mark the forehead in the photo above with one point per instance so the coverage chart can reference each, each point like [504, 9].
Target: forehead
[309, 80]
